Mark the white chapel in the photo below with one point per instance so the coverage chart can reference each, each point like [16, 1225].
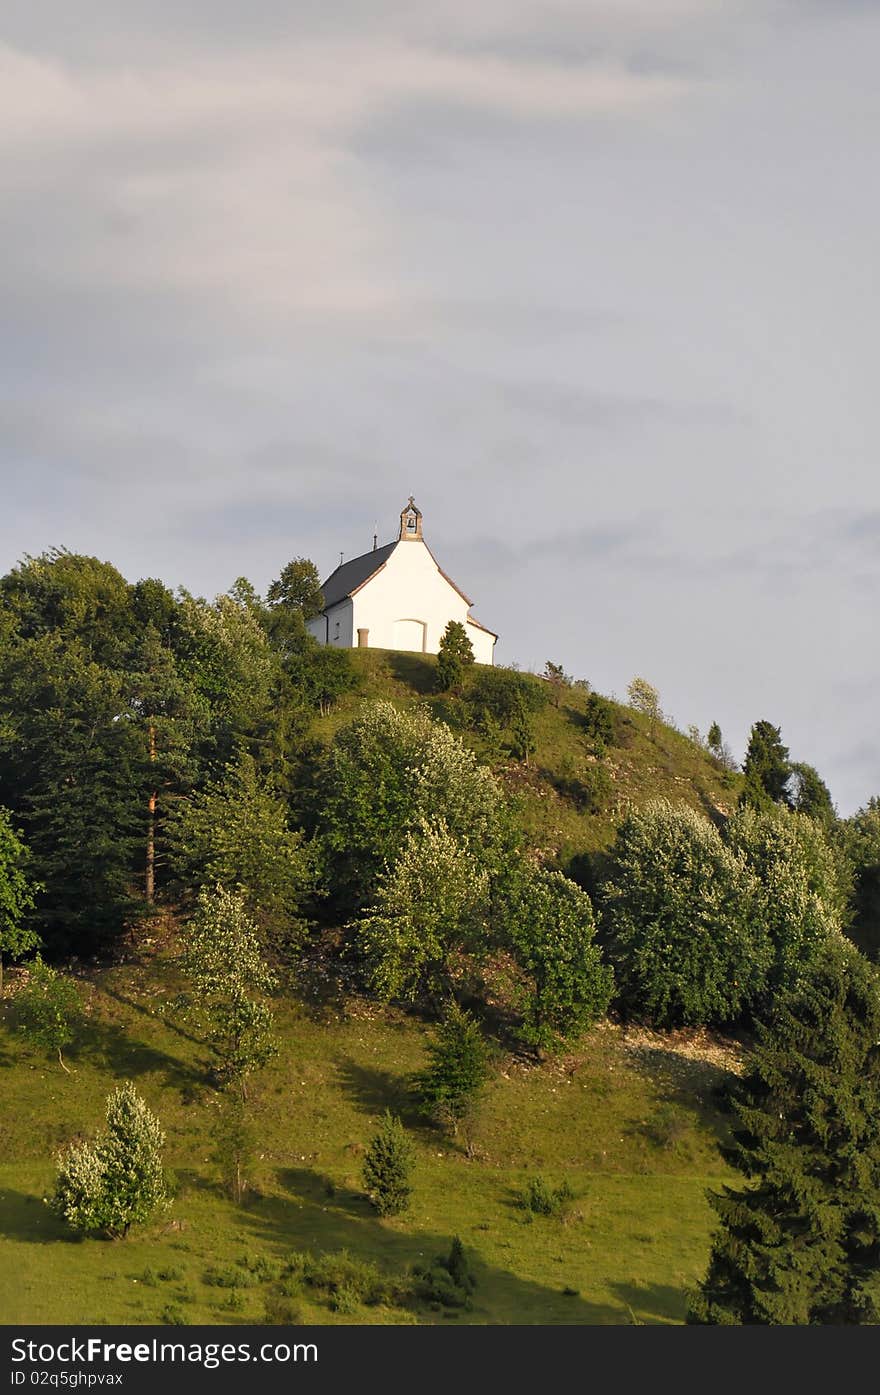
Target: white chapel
[397, 597]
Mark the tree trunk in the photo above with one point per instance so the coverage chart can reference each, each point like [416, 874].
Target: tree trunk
[150, 875]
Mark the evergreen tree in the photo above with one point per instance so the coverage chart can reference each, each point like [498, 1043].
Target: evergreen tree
[388, 1166]
[116, 1181]
[800, 1243]
[715, 741]
[450, 1084]
[455, 655]
[767, 768]
[810, 795]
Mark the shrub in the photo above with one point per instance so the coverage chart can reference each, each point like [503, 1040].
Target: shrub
[540, 1199]
[681, 920]
[387, 1168]
[116, 1181]
[454, 657]
[599, 720]
[448, 1282]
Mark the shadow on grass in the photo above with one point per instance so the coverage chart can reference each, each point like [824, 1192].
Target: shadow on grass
[24, 1216]
[652, 1302]
[413, 670]
[111, 1047]
[374, 1091]
[322, 1223]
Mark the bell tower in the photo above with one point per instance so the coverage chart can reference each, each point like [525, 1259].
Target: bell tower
[410, 523]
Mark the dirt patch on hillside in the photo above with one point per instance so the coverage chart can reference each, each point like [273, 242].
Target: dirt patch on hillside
[690, 1046]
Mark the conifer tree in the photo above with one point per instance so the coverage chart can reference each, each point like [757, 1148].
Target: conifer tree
[767, 768]
[800, 1242]
[449, 1085]
[455, 655]
[387, 1167]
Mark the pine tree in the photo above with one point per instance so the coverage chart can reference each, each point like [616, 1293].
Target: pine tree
[448, 1087]
[454, 656]
[801, 1242]
[387, 1168]
[714, 740]
[767, 768]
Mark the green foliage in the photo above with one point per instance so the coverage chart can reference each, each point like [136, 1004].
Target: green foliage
[858, 840]
[223, 962]
[679, 919]
[455, 655]
[547, 923]
[386, 773]
[117, 1180]
[767, 768]
[429, 905]
[557, 680]
[298, 588]
[801, 899]
[449, 1086]
[235, 832]
[388, 1165]
[799, 1243]
[810, 795]
[715, 741]
[17, 894]
[540, 1199]
[588, 786]
[449, 1281]
[598, 720]
[501, 704]
[48, 1010]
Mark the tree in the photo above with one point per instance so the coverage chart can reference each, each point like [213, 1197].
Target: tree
[810, 795]
[449, 1085]
[679, 920]
[858, 839]
[645, 699]
[234, 1148]
[48, 1010]
[116, 1181]
[715, 741]
[17, 894]
[801, 899]
[388, 1166]
[547, 923]
[501, 701]
[557, 680]
[235, 832]
[298, 588]
[454, 657]
[385, 774]
[229, 979]
[800, 1242]
[430, 904]
[767, 768]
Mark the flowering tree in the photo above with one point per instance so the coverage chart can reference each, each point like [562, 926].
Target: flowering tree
[229, 978]
[117, 1180]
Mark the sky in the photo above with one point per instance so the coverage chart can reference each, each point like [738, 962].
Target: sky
[594, 280]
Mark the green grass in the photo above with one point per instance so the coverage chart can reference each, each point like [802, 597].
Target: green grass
[631, 1242]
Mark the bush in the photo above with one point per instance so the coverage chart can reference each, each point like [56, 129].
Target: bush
[454, 657]
[681, 917]
[448, 1282]
[540, 1199]
[116, 1181]
[599, 720]
[387, 1168]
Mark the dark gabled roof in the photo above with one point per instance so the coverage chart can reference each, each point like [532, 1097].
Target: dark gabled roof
[351, 575]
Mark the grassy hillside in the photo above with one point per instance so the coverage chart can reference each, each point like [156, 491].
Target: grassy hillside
[647, 759]
[630, 1121]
